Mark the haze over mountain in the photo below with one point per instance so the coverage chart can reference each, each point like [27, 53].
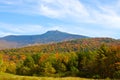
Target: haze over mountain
[48, 37]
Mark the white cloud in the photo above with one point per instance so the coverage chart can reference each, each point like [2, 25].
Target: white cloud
[19, 29]
[71, 10]
[25, 29]
[107, 15]
[49, 8]
[2, 34]
[30, 29]
[63, 9]
[74, 11]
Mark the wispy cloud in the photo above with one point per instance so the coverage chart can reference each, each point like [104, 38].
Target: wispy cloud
[19, 29]
[63, 9]
[52, 8]
[104, 13]
[107, 15]
[28, 29]
[71, 10]
[9, 2]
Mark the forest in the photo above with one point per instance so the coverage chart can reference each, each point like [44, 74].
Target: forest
[96, 58]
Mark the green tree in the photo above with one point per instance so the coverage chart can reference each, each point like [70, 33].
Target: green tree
[106, 61]
[1, 60]
[27, 68]
[3, 65]
[29, 62]
[24, 71]
[11, 68]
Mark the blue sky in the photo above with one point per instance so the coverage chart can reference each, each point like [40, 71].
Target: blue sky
[94, 18]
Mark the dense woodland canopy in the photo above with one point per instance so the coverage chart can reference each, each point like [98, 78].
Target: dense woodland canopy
[91, 58]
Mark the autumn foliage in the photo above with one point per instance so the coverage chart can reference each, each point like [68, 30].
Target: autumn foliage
[92, 58]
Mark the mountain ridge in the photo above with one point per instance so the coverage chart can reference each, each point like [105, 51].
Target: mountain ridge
[48, 37]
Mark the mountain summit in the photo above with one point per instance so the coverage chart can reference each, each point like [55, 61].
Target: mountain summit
[58, 36]
[48, 37]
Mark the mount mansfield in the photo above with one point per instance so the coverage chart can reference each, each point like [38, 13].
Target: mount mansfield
[13, 41]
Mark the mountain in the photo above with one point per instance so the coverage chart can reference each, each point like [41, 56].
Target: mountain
[48, 37]
[5, 44]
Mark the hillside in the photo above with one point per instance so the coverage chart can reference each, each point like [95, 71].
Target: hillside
[69, 46]
[48, 37]
[97, 58]
[5, 44]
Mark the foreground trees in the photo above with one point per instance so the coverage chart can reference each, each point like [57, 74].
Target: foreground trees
[107, 61]
[93, 63]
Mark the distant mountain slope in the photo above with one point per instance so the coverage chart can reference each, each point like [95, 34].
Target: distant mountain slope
[4, 44]
[48, 37]
[68, 46]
